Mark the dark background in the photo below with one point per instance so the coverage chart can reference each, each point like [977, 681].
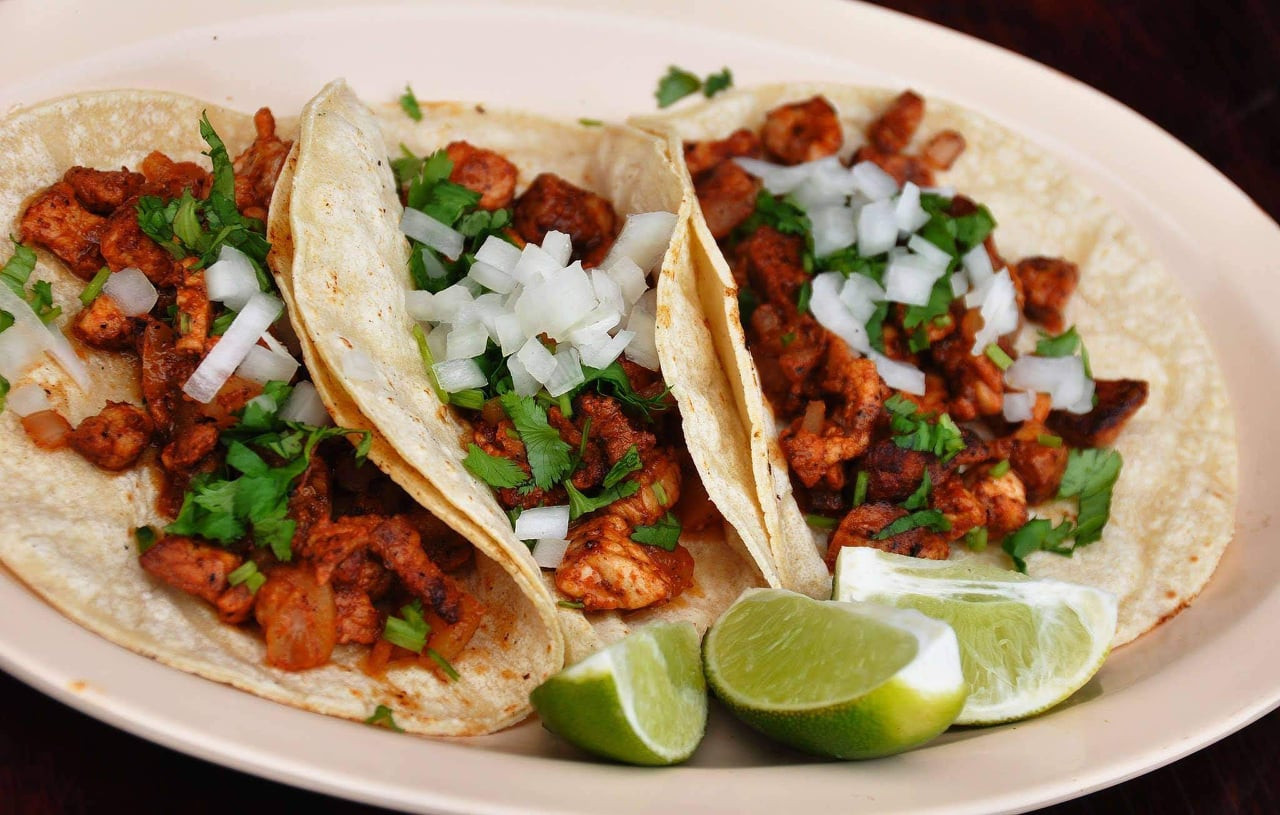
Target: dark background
[1209, 73]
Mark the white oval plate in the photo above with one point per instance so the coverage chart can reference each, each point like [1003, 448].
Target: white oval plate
[1208, 672]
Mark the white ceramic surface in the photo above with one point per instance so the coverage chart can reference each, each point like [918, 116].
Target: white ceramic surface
[1210, 671]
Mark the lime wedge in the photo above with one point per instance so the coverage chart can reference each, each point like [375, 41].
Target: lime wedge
[642, 700]
[850, 680]
[1025, 644]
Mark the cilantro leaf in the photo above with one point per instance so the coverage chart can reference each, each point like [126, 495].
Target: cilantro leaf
[409, 104]
[548, 454]
[580, 504]
[383, 717]
[248, 574]
[913, 430]
[591, 122]
[665, 534]
[145, 537]
[17, 271]
[6, 320]
[920, 498]
[1091, 477]
[1037, 535]
[821, 521]
[612, 381]
[493, 470]
[973, 229]
[1064, 345]
[406, 166]
[784, 214]
[409, 630]
[438, 659]
[629, 463]
[717, 82]
[676, 85]
[929, 518]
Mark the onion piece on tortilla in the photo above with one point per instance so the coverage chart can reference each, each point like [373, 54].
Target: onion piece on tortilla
[543, 522]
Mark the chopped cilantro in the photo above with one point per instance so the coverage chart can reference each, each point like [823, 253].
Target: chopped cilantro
[449, 670]
[676, 85]
[409, 104]
[803, 296]
[4, 392]
[939, 305]
[860, 488]
[997, 355]
[1064, 345]
[821, 521]
[94, 288]
[665, 534]
[976, 539]
[548, 454]
[493, 470]
[629, 463]
[973, 229]
[248, 574]
[1090, 476]
[1000, 468]
[145, 537]
[409, 630]
[428, 362]
[6, 320]
[1049, 440]
[783, 214]
[382, 717]
[580, 504]
[1037, 535]
[221, 323]
[716, 83]
[929, 518]
[590, 122]
[570, 603]
[17, 271]
[920, 498]
[612, 381]
[913, 430]
[470, 399]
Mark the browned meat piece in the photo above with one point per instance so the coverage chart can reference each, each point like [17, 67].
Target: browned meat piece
[446, 548]
[167, 178]
[103, 191]
[659, 482]
[613, 428]
[104, 326]
[189, 447]
[195, 314]
[976, 383]
[327, 545]
[902, 167]
[857, 390]
[604, 569]
[816, 457]
[1040, 467]
[802, 131]
[1047, 284]
[57, 221]
[773, 263]
[962, 508]
[298, 618]
[728, 197]
[894, 472]
[124, 244]
[485, 172]
[1004, 499]
[592, 469]
[934, 399]
[892, 132]
[553, 204]
[396, 544]
[942, 150]
[700, 156]
[1118, 400]
[196, 568]
[114, 438]
[309, 505]
[235, 604]
[364, 572]
[164, 370]
[358, 620]
[257, 168]
[862, 523]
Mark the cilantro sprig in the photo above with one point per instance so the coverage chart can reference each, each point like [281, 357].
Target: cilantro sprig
[915, 430]
[384, 716]
[493, 470]
[665, 534]
[1090, 478]
[548, 454]
[16, 272]
[409, 104]
[409, 630]
[678, 83]
[931, 519]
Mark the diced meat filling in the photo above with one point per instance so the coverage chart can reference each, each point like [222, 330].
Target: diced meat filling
[57, 221]
[115, 438]
[803, 131]
[553, 204]
[485, 172]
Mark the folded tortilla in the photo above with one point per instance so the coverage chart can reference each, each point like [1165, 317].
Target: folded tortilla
[1173, 510]
[66, 526]
[350, 272]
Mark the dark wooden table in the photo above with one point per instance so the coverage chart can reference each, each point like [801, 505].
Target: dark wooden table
[1209, 73]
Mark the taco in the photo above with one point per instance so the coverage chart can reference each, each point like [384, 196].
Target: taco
[173, 481]
[926, 392]
[515, 355]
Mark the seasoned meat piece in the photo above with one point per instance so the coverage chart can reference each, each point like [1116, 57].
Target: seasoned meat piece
[235, 604]
[934, 399]
[103, 191]
[894, 472]
[258, 167]
[364, 572]
[1048, 284]
[397, 545]
[604, 569]
[659, 482]
[189, 447]
[553, 204]
[328, 544]
[788, 354]
[104, 326]
[892, 132]
[358, 620]
[1118, 400]
[591, 469]
[613, 428]
[114, 438]
[728, 197]
[167, 178]
[485, 172]
[862, 523]
[124, 244]
[196, 568]
[1040, 467]
[976, 383]
[1004, 499]
[309, 505]
[962, 508]
[298, 618]
[446, 548]
[195, 313]
[57, 221]
[857, 390]
[802, 131]
[942, 150]
[773, 264]
[902, 167]
[816, 457]
[701, 156]
[164, 370]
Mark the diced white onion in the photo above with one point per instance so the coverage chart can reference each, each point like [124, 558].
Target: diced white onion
[466, 340]
[833, 228]
[643, 348]
[133, 292]
[438, 342]
[977, 264]
[425, 229]
[555, 304]
[230, 280]
[833, 314]
[521, 379]
[872, 181]
[929, 252]
[907, 210]
[644, 238]
[630, 279]
[559, 246]
[304, 405]
[491, 277]
[829, 183]
[609, 293]
[861, 294]
[67, 357]
[21, 345]
[1018, 405]
[449, 302]
[877, 228]
[537, 360]
[548, 552]
[248, 326]
[432, 265]
[959, 284]
[899, 375]
[263, 402]
[601, 354]
[600, 320]
[568, 374]
[999, 311]
[543, 522]
[1063, 378]
[777, 180]
[262, 365]
[510, 338]
[534, 264]
[27, 399]
[459, 374]
[909, 279]
[499, 254]
[357, 366]
[419, 305]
